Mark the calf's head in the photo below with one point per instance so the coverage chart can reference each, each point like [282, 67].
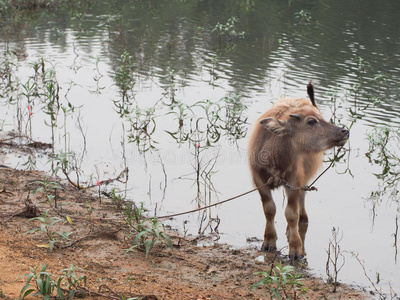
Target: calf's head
[307, 130]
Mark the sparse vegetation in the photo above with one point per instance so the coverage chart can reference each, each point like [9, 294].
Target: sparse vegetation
[42, 285]
[46, 285]
[48, 229]
[147, 232]
[281, 283]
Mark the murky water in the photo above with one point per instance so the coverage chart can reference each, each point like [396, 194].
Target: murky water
[191, 94]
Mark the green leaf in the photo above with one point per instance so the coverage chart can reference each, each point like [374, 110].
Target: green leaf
[24, 292]
[47, 285]
[51, 244]
[30, 276]
[55, 220]
[38, 218]
[131, 248]
[139, 235]
[148, 245]
[166, 237]
[39, 283]
[28, 292]
[157, 232]
[33, 230]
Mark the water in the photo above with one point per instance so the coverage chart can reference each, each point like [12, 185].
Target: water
[348, 48]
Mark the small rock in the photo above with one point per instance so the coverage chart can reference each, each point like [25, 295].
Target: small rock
[260, 259]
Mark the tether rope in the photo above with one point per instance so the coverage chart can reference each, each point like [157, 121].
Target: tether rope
[303, 188]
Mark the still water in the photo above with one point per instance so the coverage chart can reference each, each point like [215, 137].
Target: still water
[170, 89]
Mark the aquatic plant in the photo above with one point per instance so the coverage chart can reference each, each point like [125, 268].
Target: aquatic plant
[304, 16]
[52, 105]
[125, 80]
[384, 151]
[143, 126]
[224, 117]
[228, 30]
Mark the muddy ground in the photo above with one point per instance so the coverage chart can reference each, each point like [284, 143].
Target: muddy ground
[98, 244]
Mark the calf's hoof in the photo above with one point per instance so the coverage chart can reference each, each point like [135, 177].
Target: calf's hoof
[296, 255]
[268, 247]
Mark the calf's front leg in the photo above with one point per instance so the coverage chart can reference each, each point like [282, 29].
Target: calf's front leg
[269, 208]
[292, 214]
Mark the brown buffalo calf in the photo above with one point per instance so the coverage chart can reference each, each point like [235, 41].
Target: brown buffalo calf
[286, 148]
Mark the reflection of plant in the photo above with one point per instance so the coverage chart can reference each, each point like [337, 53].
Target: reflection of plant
[281, 283]
[30, 164]
[7, 70]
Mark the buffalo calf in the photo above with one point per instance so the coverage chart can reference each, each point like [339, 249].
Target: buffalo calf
[286, 148]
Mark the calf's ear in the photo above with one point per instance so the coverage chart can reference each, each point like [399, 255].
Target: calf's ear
[277, 127]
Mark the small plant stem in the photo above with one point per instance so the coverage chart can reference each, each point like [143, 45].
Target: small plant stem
[395, 234]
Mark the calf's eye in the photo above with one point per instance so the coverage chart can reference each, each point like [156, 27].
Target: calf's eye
[312, 122]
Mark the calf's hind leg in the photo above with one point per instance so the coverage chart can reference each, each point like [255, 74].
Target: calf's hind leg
[269, 207]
